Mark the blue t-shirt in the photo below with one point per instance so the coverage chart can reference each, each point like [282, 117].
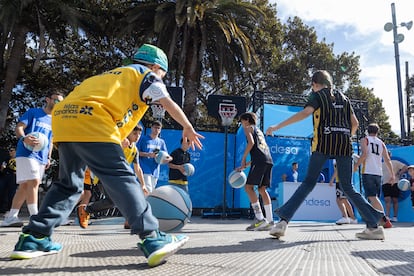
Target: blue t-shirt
[36, 120]
[147, 144]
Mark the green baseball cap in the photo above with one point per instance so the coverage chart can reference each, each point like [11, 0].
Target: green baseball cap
[150, 54]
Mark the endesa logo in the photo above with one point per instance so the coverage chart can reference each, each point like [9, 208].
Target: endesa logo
[317, 202]
[284, 150]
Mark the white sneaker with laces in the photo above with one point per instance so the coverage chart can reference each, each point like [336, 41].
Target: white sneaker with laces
[394, 219]
[12, 222]
[343, 220]
[353, 221]
[279, 229]
[371, 234]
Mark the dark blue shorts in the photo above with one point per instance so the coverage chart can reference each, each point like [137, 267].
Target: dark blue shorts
[372, 184]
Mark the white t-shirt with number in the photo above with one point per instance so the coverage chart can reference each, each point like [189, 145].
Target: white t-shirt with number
[373, 162]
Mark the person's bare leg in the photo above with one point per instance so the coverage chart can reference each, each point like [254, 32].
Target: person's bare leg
[348, 208]
[387, 200]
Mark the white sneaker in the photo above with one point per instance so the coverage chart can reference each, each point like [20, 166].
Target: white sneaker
[343, 221]
[394, 219]
[371, 234]
[12, 222]
[353, 221]
[279, 229]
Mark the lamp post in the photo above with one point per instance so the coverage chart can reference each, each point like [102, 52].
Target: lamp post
[398, 38]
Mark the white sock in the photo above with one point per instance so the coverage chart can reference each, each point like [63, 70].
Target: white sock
[32, 209]
[257, 210]
[13, 213]
[269, 212]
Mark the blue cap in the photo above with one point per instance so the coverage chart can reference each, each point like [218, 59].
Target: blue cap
[150, 54]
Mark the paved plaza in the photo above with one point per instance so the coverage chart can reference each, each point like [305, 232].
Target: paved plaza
[221, 247]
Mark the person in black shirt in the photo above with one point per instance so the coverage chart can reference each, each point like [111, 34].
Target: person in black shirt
[334, 123]
[180, 156]
[8, 184]
[260, 173]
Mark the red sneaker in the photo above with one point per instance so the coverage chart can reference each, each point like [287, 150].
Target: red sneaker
[385, 222]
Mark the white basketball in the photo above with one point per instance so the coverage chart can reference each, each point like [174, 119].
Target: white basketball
[43, 142]
[237, 179]
[162, 157]
[404, 184]
[172, 207]
[189, 169]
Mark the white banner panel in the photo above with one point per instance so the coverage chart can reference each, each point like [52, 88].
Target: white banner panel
[319, 205]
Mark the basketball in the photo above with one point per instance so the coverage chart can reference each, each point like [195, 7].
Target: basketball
[237, 179]
[171, 206]
[189, 169]
[162, 157]
[43, 142]
[404, 184]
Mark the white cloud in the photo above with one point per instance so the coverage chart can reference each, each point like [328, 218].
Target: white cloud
[358, 26]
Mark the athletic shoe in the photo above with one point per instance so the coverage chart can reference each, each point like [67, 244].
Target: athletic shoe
[394, 219]
[353, 221]
[279, 229]
[126, 225]
[29, 247]
[12, 222]
[385, 222]
[371, 234]
[158, 248]
[268, 226]
[258, 225]
[343, 220]
[83, 216]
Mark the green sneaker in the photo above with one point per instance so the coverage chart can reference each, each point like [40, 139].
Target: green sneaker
[258, 225]
[159, 248]
[29, 247]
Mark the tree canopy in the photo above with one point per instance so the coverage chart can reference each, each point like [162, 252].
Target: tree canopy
[214, 47]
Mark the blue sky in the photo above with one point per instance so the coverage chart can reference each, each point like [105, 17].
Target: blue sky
[358, 26]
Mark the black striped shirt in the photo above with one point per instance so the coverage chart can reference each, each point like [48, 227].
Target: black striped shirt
[260, 153]
[331, 122]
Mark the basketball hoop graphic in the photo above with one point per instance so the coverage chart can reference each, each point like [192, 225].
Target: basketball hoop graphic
[227, 113]
[158, 112]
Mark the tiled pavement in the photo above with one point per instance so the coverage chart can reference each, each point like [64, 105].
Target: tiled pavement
[221, 247]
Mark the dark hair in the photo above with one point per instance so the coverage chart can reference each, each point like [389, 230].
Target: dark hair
[156, 123]
[50, 93]
[249, 116]
[322, 77]
[294, 163]
[373, 128]
[138, 127]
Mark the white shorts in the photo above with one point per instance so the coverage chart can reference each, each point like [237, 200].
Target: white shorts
[150, 182]
[28, 169]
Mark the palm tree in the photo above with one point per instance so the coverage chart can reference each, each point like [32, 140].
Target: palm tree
[197, 36]
[20, 18]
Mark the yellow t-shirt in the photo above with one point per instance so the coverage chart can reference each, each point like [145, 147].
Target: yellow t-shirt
[131, 153]
[106, 107]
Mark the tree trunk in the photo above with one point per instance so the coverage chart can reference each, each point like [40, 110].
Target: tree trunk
[190, 99]
[12, 71]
